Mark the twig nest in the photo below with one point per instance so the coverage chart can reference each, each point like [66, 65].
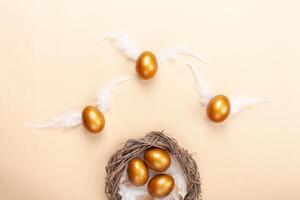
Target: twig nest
[181, 171]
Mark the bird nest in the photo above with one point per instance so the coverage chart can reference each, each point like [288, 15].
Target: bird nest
[134, 147]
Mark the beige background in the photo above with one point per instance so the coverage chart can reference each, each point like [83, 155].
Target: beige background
[49, 64]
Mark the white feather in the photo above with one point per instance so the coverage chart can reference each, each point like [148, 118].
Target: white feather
[130, 192]
[62, 121]
[124, 43]
[129, 48]
[237, 103]
[104, 96]
[73, 119]
[169, 54]
[207, 93]
[205, 90]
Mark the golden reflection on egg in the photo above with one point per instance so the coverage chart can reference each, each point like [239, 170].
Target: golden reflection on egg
[160, 185]
[137, 172]
[157, 159]
[218, 108]
[146, 65]
[93, 119]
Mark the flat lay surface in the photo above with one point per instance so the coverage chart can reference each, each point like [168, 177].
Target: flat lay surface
[50, 64]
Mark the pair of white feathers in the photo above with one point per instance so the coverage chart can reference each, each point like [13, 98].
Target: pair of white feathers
[130, 50]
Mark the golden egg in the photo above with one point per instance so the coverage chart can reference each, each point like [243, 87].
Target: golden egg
[157, 159]
[137, 172]
[218, 108]
[146, 65]
[93, 119]
[160, 185]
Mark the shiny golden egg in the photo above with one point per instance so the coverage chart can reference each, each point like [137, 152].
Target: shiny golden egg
[146, 65]
[137, 172]
[218, 108]
[93, 119]
[160, 185]
[157, 159]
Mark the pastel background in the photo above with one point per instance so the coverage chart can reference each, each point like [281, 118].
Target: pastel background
[50, 64]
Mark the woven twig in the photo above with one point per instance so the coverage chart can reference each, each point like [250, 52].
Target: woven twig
[134, 147]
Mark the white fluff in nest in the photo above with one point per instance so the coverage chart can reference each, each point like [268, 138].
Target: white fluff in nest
[130, 192]
[128, 47]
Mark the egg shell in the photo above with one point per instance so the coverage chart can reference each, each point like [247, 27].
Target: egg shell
[161, 185]
[137, 172]
[157, 159]
[218, 108]
[146, 65]
[93, 119]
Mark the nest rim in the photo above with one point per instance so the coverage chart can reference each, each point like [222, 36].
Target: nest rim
[155, 139]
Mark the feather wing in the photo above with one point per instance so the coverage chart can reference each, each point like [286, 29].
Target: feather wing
[170, 54]
[73, 119]
[237, 103]
[62, 121]
[207, 93]
[104, 97]
[124, 43]
[205, 90]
